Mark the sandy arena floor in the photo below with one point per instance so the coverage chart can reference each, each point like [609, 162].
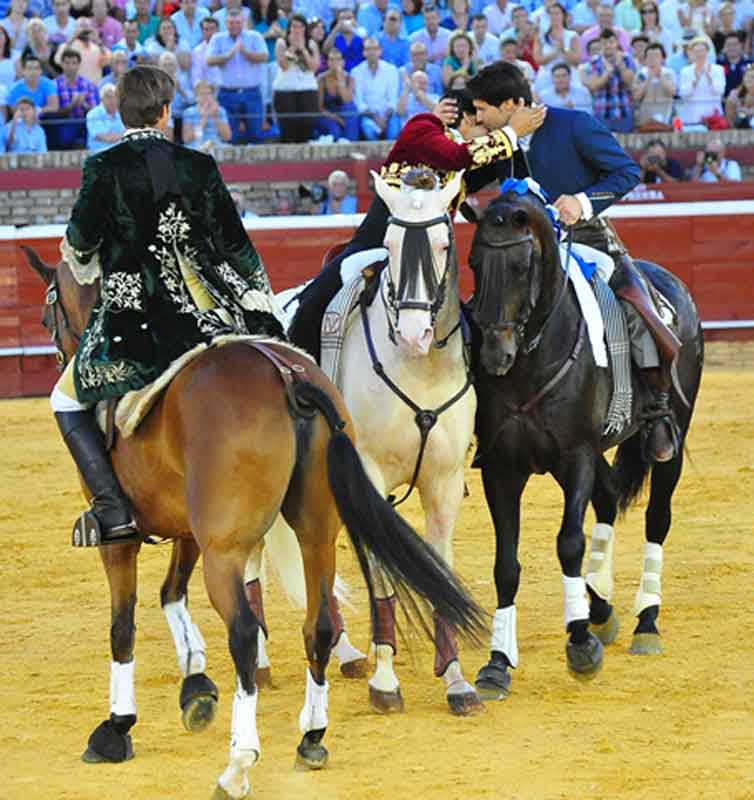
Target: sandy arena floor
[677, 726]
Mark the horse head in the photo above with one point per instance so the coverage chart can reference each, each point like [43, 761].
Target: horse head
[513, 246]
[67, 307]
[422, 256]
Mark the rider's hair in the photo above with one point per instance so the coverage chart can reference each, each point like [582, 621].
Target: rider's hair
[143, 93]
[464, 104]
[499, 82]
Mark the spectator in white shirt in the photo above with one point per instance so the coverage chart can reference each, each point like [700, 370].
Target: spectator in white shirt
[118, 68]
[376, 94]
[419, 59]
[61, 25]
[188, 22]
[557, 45]
[487, 44]
[701, 86]
[713, 167]
[415, 97]
[130, 43]
[200, 71]
[498, 16]
[564, 94]
[432, 35]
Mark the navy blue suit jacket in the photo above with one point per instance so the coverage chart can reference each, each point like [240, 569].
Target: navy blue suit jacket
[572, 152]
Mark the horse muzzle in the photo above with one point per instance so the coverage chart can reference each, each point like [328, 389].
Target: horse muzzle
[499, 350]
[415, 332]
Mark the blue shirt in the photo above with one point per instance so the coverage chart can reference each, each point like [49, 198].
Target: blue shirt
[192, 34]
[370, 18]
[25, 140]
[238, 73]
[394, 51]
[99, 121]
[348, 205]
[45, 89]
[353, 54]
[210, 132]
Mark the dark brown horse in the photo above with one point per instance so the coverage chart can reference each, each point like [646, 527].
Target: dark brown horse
[225, 449]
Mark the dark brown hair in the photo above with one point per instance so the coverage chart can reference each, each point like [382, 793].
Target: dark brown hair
[143, 92]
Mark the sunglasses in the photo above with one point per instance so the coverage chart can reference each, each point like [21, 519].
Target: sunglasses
[649, 11]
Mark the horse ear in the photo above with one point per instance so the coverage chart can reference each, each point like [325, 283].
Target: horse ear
[383, 189]
[45, 273]
[469, 213]
[452, 189]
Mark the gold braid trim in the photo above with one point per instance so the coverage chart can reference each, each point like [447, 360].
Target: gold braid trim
[394, 173]
[486, 149]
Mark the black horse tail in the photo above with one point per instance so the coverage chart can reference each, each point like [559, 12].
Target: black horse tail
[378, 532]
[630, 472]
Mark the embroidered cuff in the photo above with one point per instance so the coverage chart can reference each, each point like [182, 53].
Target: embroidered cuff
[486, 149]
[84, 264]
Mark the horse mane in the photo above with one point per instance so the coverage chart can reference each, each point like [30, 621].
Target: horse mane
[420, 178]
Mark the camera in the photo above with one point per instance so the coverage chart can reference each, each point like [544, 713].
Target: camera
[711, 158]
[654, 160]
[316, 192]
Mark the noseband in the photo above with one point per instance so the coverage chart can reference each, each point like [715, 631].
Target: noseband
[393, 302]
[57, 309]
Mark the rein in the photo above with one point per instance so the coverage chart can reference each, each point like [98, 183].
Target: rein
[52, 301]
[424, 418]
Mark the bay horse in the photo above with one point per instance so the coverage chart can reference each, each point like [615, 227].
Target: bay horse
[241, 434]
[542, 409]
[407, 386]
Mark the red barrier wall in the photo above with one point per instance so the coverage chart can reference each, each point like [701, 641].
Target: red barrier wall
[713, 255]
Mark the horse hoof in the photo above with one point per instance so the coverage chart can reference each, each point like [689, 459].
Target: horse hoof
[311, 756]
[386, 702]
[585, 659]
[493, 682]
[264, 678]
[198, 702]
[607, 632]
[356, 669]
[109, 742]
[221, 794]
[646, 644]
[466, 702]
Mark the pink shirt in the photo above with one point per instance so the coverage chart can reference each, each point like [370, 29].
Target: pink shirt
[110, 32]
[590, 34]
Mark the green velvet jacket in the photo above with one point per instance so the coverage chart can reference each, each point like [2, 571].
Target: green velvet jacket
[147, 212]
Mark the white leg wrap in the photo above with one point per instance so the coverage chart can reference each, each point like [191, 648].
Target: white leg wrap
[575, 602]
[60, 401]
[384, 678]
[189, 645]
[244, 744]
[122, 695]
[313, 716]
[504, 638]
[599, 574]
[452, 674]
[650, 587]
[263, 660]
[345, 652]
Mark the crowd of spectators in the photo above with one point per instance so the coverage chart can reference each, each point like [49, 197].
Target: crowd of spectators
[331, 70]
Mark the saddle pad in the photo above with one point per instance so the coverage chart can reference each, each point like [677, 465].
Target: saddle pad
[134, 406]
[336, 322]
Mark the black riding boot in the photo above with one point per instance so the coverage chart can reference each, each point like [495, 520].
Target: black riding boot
[110, 518]
[660, 434]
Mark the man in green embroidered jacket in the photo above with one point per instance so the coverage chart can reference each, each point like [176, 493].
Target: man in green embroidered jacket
[156, 224]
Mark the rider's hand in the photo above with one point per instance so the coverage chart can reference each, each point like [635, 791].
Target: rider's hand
[569, 209]
[525, 121]
[446, 110]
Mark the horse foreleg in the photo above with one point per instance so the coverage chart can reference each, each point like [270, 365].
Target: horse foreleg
[198, 697]
[576, 476]
[110, 740]
[646, 639]
[442, 501]
[503, 488]
[603, 622]
[223, 576]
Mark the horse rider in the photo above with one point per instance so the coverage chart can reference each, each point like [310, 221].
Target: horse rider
[580, 163]
[155, 223]
[425, 141]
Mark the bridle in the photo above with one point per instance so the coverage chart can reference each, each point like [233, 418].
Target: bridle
[394, 304]
[57, 319]
[518, 326]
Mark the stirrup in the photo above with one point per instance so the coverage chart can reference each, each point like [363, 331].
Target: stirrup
[87, 532]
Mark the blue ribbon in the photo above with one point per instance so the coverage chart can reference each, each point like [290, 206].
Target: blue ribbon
[588, 268]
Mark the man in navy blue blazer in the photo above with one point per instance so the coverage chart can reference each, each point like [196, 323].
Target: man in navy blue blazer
[583, 168]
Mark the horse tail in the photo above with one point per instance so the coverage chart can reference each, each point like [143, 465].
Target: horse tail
[378, 532]
[630, 472]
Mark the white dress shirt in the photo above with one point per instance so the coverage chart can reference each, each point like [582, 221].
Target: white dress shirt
[375, 92]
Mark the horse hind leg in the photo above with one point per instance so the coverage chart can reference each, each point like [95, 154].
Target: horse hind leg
[199, 695]
[110, 741]
[254, 596]
[603, 621]
[665, 476]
